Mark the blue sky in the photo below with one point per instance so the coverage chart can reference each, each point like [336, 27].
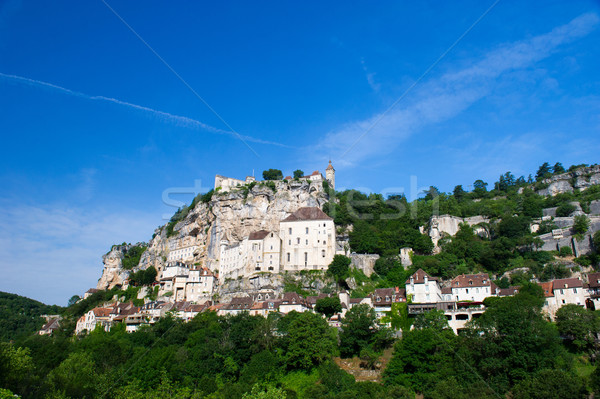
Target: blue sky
[96, 127]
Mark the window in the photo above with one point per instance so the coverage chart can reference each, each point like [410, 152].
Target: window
[575, 290]
[288, 256]
[306, 242]
[298, 240]
[307, 230]
[290, 242]
[323, 253]
[290, 230]
[305, 258]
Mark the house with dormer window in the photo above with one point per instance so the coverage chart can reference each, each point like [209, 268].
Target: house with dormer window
[472, 287]
[422, 288]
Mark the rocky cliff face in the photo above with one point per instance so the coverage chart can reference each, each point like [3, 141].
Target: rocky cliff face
[579, 179]
[446, 225]
[230, 216]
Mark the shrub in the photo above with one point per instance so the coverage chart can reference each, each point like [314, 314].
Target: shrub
[581, 224]
[565, 209]
[565, 251]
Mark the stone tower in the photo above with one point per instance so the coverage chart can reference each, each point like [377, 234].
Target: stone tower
[330, 175]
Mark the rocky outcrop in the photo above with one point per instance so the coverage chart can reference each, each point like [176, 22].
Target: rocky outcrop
[112, 273]
[364, 262]
[446, 225]
[579, 179]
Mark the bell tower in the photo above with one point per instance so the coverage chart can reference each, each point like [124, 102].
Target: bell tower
[330, 175]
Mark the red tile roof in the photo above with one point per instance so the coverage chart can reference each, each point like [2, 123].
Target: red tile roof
[419, 277]
[594, 280]
[307, 213]
[567, 283]
[547, 287]
[471, 280]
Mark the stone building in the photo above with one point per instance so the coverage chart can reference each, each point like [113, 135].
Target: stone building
[307, 240]
[472, 287]
[423, 288]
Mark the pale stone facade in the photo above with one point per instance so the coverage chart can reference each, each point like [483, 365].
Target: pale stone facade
[307, 240]
[472, 287]
[423, 288]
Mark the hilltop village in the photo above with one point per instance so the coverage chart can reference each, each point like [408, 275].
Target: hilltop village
[245, 245]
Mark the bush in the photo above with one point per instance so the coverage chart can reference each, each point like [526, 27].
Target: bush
[565, 210]
[581, 224]
[565, 251]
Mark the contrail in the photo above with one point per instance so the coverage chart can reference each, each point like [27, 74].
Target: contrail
[176, 119]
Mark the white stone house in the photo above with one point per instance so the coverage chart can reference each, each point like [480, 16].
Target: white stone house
[594, 289]
[569, 291]
[422, 288]
[265, 251]
[307, 240]
[200, 285]
[550, 305]
[182, 254]
[93, 318]
[233, 260]
[472, 287]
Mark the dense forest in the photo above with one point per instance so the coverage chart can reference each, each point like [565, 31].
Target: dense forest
[511, 349]
[21, 316]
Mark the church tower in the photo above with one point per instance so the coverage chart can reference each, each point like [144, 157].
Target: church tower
[330, 175]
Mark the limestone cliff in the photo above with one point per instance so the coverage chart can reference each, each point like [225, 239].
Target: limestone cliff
[230, 216]
[579, 179]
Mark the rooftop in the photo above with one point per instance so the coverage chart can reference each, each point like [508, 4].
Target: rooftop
[307, 213]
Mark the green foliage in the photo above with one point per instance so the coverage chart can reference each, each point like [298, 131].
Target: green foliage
[420, 359]
[578, 325]
[21, 316]
[565, 209]
[434, 319]
[339, 267]
[310, 341]
[565, 251]
[298, 174]
[328, 306]
[358, 330]
[143, 277]
[551, 384]
[132, 257]
[272, 174]
[581, 224]
[544, 171]
[205, 198]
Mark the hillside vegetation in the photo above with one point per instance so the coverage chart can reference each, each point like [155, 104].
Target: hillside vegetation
[21, 316]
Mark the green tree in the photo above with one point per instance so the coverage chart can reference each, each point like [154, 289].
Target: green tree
[578, 325]
[272, 174]
[76, 376]
[435, 319]
[479, 188]
[328, 306]
[565, 251]
[596, 241]
[311, 341]
[565, 209]
[16, 365]
[558, 168]
[298, 173]
[358, 330]
[421, 359]
[545, 384]
[544, 171]
[73, 300]
[581, 224]
[459, 193]
[339, 267]
[268, 392]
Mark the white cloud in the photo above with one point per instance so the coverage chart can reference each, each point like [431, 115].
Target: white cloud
[49, 252]
[443, 98]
